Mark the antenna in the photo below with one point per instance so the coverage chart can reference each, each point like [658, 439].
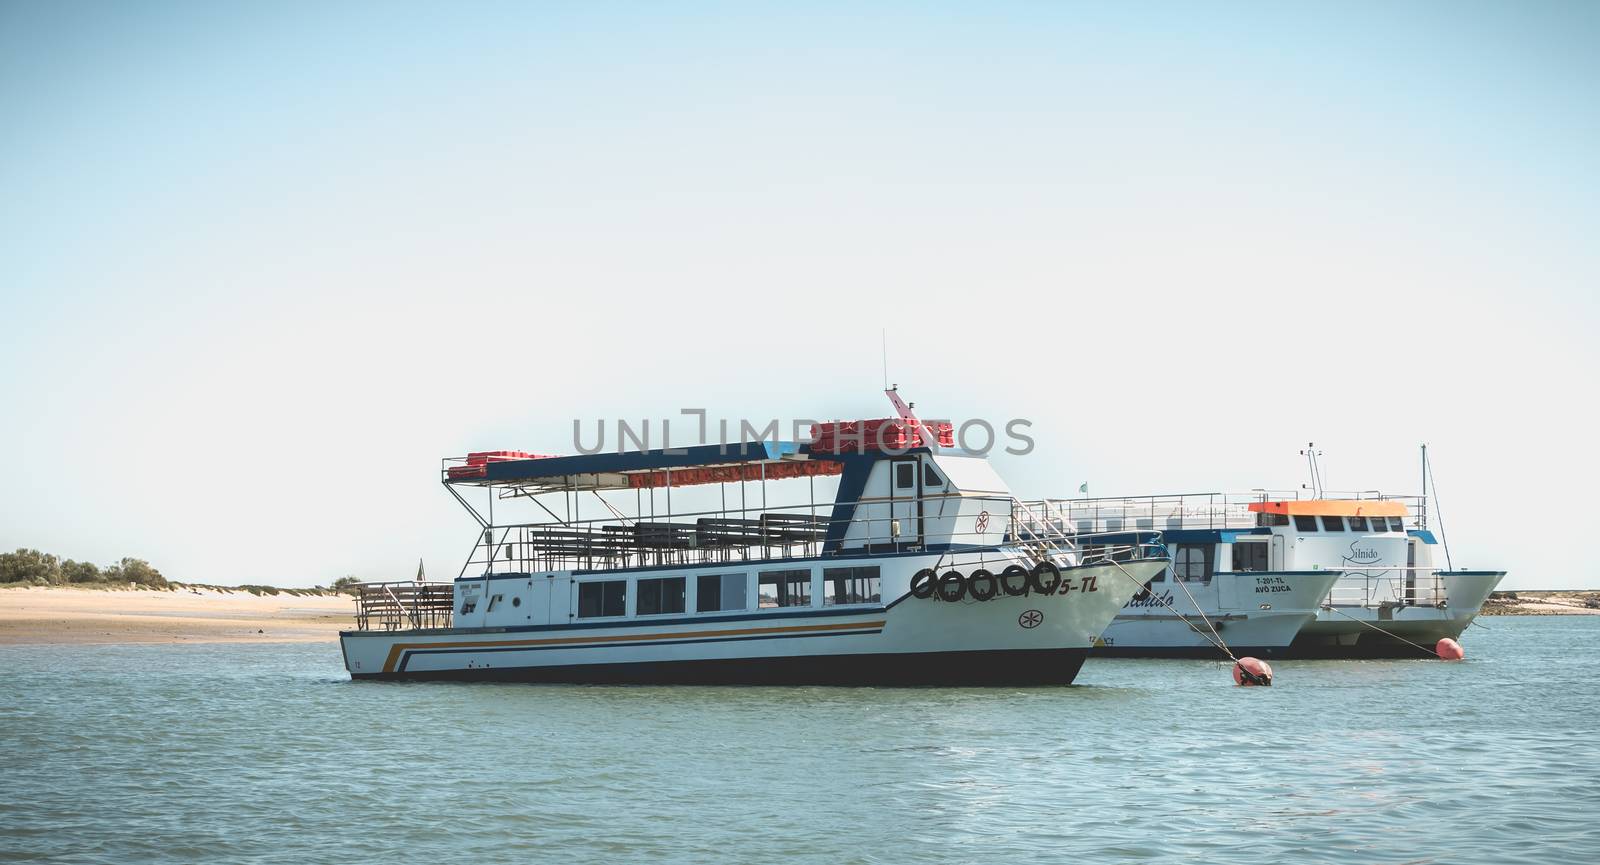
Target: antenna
[884, 334]
[1423, 522]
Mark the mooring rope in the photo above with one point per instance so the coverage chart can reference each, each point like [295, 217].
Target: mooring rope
[1197, 608]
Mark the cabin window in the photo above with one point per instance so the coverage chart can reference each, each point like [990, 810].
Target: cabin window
[1395, 525]
[1305, 524]
[850, 586]
[1250, 556]
[930, 478]
[600, 599]
[1272, 519]
[785, 589]
[494, 602]
[1192, 564]
[714, 592]
[1333, 524]
[468, 607]
[905, 475]
[1358, 524]
[657, 596]
[516, 601]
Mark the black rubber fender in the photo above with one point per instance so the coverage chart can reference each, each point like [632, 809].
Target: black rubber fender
[1020, 574]
[924, 583]
[1037, 579]
[952, 586]
[981, 577]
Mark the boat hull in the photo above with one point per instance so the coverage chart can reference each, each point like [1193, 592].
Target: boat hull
[1255, 613]
[979, 668]
[1392, 630]
[1007, 640]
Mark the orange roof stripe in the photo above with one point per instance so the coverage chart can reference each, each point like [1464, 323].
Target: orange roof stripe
[1331, 508]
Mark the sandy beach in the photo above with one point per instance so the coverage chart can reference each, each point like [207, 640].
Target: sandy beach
[63, 615]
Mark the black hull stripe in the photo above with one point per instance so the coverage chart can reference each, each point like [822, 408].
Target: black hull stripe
[411, 653]
[979, 668]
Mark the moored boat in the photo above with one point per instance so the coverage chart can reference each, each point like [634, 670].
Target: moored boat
[1391, 599]
[1335, 576]
[1228, 585]
[915, 572]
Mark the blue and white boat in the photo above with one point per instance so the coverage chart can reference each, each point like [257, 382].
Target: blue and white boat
[1275, 575]
[721, 564]
[1228, 584]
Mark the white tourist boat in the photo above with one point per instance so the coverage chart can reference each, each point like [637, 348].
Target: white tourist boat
[915, 571]
[1225, 585]
[1352, 575]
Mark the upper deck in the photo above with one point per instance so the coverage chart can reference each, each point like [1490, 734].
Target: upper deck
[872, 487]
[1212, 511]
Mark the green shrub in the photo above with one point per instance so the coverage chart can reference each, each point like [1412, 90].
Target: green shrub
[29, 566]
[81, 572]
[135, 571]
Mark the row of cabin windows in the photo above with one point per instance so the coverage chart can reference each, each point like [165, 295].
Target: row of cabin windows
[1196, 563]
[716, 592]
[1357, 524]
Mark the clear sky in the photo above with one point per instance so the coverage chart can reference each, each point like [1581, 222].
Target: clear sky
[261, 265]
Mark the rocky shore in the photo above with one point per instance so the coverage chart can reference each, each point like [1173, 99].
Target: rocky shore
[1567, 602]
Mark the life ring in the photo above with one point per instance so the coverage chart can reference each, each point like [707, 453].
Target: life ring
[924, 582]
[991, 586]
[952, 586]
[1018, 588]
[1036, 579]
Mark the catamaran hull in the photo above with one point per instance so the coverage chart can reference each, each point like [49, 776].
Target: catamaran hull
[1263, 636]
[1254, 613]
[1396, 630]
[1007, 640]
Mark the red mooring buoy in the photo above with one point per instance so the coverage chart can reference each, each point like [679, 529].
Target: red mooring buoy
[1449, 650]
[1252, 672]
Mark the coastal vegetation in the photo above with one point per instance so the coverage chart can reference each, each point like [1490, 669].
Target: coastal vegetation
[28, 567]
[31, 567]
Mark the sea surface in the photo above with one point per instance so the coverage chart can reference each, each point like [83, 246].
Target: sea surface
[269, 753]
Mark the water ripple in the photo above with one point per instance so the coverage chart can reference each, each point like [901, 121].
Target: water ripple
[268, 754]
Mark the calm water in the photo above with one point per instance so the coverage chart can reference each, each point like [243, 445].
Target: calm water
[269, 754]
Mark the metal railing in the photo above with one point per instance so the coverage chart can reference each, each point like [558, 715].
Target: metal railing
[1195, 510]
[773, 533]
[403, 604]
[1391, 586]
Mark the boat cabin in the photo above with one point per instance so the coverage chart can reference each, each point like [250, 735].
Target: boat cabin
[1380, 542]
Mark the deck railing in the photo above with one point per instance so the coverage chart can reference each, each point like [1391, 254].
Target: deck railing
[403, 605]
[940, 522]
[1395, 586]
[1172, 512]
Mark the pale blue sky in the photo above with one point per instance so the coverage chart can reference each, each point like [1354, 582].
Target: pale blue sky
[262, 265]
